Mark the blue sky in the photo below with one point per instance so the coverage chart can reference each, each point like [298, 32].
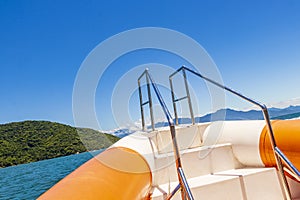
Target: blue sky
[255, 44]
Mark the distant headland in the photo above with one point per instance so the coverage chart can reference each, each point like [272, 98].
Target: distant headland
[31, 141]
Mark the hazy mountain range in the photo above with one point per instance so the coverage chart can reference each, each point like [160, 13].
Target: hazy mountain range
[227, 114]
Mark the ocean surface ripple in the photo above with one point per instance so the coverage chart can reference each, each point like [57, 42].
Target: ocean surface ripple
[29, 181]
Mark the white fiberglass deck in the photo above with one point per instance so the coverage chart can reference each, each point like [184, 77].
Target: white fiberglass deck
[229, 169]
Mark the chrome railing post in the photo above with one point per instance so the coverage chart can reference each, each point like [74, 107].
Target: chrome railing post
[141, 105]
[173, 100]
[188, 96]
[185, 190]
[146, 73]
[277, 158]
[150, 100]
[177, 158]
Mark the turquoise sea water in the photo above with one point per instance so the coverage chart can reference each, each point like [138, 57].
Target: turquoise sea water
[28, 181]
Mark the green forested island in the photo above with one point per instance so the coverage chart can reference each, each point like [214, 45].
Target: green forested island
[30, 141]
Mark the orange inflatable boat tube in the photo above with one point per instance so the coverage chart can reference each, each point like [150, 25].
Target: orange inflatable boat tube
[287, 137]
[117, 173]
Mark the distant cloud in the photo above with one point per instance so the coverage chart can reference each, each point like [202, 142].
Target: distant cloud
[284, 104]
[281, 104]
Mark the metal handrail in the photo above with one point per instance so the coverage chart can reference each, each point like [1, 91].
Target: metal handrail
[288, 163]
[185, 190]
[188, 96]
[186, 187]
[279, 156]
[145, 73]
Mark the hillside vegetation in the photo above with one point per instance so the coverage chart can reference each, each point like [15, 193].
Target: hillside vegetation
[30, 141]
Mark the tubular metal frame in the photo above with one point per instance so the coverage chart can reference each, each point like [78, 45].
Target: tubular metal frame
[278, 154]
[188, 96]
[183, 185]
